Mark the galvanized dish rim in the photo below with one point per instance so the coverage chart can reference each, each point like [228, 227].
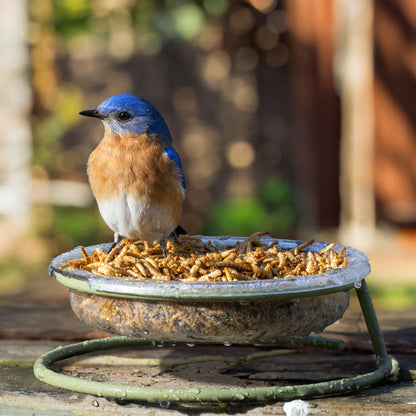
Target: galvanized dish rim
[332, 281]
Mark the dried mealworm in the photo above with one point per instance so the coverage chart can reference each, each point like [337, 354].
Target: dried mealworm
[191, 259]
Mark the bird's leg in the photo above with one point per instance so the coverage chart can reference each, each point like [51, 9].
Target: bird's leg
[174, 234]
[117, 238]
[163, 243]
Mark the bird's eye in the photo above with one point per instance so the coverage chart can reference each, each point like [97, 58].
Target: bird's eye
[124, 115]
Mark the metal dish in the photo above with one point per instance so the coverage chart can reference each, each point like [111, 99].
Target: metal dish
[244, 311]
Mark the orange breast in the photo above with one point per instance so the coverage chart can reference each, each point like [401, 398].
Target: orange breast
[135, 166]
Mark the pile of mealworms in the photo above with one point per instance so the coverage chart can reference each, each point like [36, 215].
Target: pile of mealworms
[188, 258]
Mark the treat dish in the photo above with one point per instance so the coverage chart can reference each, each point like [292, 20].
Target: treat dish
[332, 281]
[238, 311]
[104, 302]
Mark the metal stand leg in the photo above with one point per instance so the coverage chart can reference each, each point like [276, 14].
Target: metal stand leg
[387, 368]
[385, 363]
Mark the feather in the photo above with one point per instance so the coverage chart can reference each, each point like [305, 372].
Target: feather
[172, 154]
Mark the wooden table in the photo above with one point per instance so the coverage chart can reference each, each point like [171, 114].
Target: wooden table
[30, 326]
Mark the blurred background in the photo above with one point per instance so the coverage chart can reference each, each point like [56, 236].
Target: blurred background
[292, 117]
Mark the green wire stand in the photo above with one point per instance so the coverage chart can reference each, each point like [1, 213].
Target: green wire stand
[387, 369]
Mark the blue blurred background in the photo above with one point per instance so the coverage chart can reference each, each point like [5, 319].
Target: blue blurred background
[292, 117]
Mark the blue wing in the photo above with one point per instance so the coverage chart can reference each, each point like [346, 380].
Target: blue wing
[171, 153]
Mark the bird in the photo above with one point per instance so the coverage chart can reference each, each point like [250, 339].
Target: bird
[135, 173]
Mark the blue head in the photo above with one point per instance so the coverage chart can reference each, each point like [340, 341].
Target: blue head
[129, 113]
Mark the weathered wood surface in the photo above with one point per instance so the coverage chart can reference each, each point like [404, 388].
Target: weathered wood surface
[28, 328]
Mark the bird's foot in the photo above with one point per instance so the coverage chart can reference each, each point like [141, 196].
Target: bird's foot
[163, 245]
[173, 235]
[117, 239]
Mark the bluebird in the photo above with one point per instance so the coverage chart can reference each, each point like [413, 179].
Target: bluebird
[135, 173]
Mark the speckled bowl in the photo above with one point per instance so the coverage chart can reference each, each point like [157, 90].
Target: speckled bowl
[243, 311]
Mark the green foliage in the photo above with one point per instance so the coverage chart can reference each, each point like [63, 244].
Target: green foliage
[79, 226]
[393, 296]
[12, 277]
[48, 131]
[186, 18]
[215, 7]
[242, 217]
[71, 17]
[272, 209]
[189, 20]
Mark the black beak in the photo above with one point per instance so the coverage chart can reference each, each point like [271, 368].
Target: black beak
[91, 113]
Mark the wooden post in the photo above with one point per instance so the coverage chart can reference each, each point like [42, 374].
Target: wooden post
[354, 63]
[315, 109]
[395, 113]
[15, 107]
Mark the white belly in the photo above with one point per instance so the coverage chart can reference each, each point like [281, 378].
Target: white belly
[132, 219]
